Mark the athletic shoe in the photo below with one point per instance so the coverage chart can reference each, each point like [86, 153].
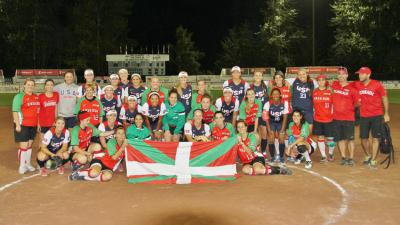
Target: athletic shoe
[303, 159]
[22, 169]
[30, 167]
[282, 160]
[60, 170]
[308, 165]
[290, 159]
[43, 172]
[350, 162]
[373, 164]
[120, 168]
[331, 158]
[75, 176]
[323, 160]
[297, 161]
[75, 167]
[367, 160]
[343, 162]
[285, 171]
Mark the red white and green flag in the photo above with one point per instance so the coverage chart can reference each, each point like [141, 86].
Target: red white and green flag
[181, 162]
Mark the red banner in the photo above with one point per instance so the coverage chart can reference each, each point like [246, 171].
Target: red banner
[42, 72]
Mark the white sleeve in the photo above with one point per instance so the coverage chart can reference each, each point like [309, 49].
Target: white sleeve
[67, 137]
[80, 92]
[139, 108]
[236, 106]
[102, 127]
[207, 130]
[266, 82]
[266, 106]
[286, 109]
[47, 137]
[125, 92]
[122, 113]
[119, 102]
[290, 80]
[188, 128]
[315, 84]
[225, 84]
[99, 91]
[218, 104]
[246, 86]
[163, 109]
[145, 109]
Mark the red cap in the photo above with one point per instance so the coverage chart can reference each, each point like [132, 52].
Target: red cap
[83, 115]
[365, 70]
[321, 76]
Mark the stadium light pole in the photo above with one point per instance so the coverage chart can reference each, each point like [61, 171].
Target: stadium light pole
[313, 32]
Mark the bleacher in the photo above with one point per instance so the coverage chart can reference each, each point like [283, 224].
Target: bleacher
[313, 71]
[40, 75]
[1, 77]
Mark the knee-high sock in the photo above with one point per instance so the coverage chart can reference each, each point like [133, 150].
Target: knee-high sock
[281, 150]
[264, 143]
[307, 156]
[28, 156]
[41, 163]
[272, 150]
[22, 156]
[276, 142]
[321, 147]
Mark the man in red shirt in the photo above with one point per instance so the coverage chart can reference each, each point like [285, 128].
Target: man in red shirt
[344, 98]
[374, 110]
[323, 117]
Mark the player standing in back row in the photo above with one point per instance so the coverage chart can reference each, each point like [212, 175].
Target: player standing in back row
[374, 110]
[237, 84]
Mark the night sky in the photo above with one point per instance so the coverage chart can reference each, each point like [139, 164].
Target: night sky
[153, 22]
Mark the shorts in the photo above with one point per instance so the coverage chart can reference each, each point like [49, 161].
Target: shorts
[276, 127]
[100, 163]
[153, 125]
[258, 159]
[70, 122]
[343, 130]
[261, 122]
[323, 129]
[250, 128]
[26, 134]
[43, 130]
[371, 124]
[172, 130]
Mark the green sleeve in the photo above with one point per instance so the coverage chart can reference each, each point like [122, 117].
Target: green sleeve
[181, 118]
[231, 129]
[144, 96]
[242, 110]
[78, 106]
[146, 133]
[111, 147]
[75, 136]
[289, 130]
[253, 142]
[194, 97]
[96, 131]
[211, 125]
[101, 107]
[259, 111]
[17, 102]
[305, 130]
[213, 109]
[130, 132]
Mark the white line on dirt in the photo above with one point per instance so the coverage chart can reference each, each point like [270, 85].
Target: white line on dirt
[343, 206]
[4, 187]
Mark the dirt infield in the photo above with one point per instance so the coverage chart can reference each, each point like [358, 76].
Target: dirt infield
[331, 194]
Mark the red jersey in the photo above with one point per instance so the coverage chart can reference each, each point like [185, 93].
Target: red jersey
[371, 97]
[112, 148]
[93, 107]
[208, 116]
[218, 133]
[27, 107]
[48, 107]
[322, 100]
[81, 137]
[344, 101]
[285, 94]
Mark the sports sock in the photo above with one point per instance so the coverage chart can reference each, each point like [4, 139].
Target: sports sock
[41, 163]
[264, 143]
[22, 156]
[307, 156]
[321, 147]
[281, 150]
[272, 150]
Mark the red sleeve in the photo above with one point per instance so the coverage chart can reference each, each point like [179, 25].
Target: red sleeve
[381, 90]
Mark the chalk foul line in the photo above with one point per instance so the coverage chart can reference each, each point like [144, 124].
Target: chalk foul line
[344, 204]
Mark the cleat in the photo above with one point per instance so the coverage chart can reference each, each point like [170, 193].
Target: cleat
[367, 160]
[43, 172]
[75, 167]
[290, 159]
[60, 170]
[285, 171]
[22, 169]
[373, 164]
[75, 176]
[331, 158]
[30, 167]
[323, 160]
[308, 165]
[350, 162]
[343, 162]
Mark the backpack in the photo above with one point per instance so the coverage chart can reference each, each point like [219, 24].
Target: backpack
[386, 145]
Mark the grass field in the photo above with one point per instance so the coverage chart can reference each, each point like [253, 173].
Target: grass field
[394, 97]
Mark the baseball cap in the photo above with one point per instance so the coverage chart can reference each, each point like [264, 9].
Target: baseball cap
[183, 74]
[321, 76]
[111, 112]
[154, 93]
[132, 97]
[365, 70]
[114, 76]
[83, 115]
[235, 68]
[226, 89]
[136, 75]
